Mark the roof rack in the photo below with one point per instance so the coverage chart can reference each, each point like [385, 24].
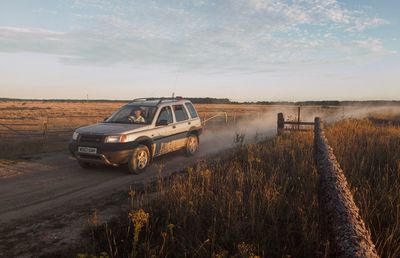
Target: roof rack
[169, 99]
[160, 100]
[139, 100]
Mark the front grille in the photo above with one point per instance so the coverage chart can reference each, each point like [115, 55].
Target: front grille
[91, 138]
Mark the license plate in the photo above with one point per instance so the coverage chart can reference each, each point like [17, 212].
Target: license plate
[87, 150]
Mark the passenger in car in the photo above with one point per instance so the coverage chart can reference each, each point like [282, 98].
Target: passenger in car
[138, 118]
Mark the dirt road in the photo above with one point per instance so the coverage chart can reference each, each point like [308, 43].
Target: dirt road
[46, 200]
[57, 181]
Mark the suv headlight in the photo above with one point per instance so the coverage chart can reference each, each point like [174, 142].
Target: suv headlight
[115, 139]
[75, 136]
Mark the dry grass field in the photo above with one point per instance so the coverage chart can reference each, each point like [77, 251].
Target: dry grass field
[370, 156]
[260, 200]
[257, 201]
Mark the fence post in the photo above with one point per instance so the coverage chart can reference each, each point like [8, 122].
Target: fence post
[44, 132]
[298, 118]
[281, 123]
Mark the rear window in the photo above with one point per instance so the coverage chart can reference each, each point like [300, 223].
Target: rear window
[180, 113]
[191, 109]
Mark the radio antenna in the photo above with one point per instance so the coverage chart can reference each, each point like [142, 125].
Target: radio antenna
[176, 81]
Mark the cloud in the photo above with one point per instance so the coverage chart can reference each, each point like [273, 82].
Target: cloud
[30, 39]
[229, 35]
[374, 46]
[362, 24]
[11, 31]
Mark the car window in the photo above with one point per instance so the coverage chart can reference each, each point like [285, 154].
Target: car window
[180, 113]
[191, 109]
[136, 114]
[165, 114]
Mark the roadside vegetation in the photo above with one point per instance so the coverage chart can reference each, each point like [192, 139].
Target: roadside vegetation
[260, 200]
[370, 157]
[257, 201]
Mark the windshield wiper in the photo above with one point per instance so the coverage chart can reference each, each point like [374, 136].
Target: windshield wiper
[122, 122]
[116, 122]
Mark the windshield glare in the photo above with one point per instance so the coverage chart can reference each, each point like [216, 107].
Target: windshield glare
[133, 114]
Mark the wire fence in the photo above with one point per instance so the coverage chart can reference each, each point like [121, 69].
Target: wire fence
[47, 129]
[60, 128]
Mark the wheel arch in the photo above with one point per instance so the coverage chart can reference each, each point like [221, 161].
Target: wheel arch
[194, 131]
[146, 141]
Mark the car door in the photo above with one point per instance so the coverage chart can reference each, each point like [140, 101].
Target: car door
[164, 132]
[182, 125]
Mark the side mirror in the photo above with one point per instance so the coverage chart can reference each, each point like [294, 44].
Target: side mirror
[162, 123]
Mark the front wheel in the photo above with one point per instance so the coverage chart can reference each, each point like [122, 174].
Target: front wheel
[139, 160]
[192, 145]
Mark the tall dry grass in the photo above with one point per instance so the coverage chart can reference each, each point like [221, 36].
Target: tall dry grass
[370, 157]
[259, 200]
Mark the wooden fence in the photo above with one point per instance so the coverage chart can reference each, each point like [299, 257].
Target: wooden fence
[343, 231]
[293, 125]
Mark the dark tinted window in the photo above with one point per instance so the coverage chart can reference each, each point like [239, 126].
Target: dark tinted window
[165, 114]
[180, 113]
[192, 110]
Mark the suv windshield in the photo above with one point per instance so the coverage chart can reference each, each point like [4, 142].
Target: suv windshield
[133, 114]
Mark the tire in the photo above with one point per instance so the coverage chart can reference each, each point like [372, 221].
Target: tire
[192, 145]
[85, 165]
[139, 160]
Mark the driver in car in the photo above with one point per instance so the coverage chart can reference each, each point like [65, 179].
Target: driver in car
[138, 118]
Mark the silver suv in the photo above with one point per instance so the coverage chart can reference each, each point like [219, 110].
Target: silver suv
[138, 132]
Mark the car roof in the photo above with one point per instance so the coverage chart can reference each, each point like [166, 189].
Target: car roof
[157, 102]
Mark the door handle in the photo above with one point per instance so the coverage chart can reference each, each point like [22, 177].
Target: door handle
[174, 126]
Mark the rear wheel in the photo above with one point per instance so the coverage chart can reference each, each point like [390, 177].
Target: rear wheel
[139, 160]
[192, 145]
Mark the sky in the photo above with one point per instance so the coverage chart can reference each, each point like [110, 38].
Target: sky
[245, 50]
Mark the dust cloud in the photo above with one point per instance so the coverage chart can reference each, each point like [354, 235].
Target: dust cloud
[254, 127]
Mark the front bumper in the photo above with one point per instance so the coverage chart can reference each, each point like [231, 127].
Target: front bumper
[110, 154]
